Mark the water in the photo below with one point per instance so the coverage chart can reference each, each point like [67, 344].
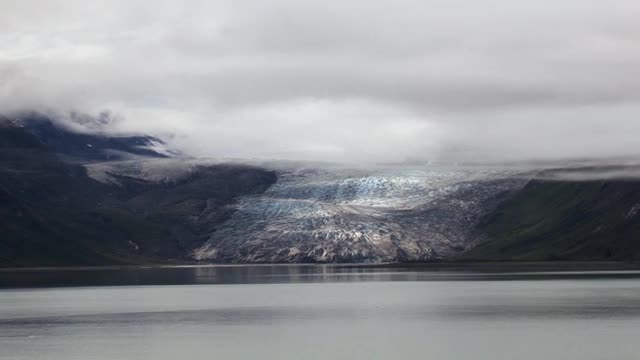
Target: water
[310, 312]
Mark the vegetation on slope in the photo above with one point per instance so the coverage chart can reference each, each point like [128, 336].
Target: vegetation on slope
[564, 220]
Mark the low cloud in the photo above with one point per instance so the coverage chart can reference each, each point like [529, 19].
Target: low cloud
[405, 80]
[599, 173]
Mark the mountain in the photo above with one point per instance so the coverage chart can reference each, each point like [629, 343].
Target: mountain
[579, 214]
[53, 213]
[60, 138]
[71, 197]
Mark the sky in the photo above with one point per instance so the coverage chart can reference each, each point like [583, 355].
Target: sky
[338, 80]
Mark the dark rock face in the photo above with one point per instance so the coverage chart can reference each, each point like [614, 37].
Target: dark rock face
[565, 215]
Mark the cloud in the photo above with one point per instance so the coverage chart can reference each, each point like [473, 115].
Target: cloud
[339, 80]
[623, 172]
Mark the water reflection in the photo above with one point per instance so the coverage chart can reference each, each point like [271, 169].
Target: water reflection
[258, 274]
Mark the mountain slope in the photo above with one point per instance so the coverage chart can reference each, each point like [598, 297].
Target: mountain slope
[53, 213]
[553, 218]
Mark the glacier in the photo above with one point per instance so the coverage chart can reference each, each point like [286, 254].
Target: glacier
[329, 215]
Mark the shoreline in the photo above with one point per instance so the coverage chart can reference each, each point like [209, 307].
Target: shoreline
[435, 265]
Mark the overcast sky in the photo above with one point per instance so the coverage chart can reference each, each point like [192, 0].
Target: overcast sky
[339, 79]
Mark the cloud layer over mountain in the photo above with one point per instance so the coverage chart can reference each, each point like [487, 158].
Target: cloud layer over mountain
[338, 80]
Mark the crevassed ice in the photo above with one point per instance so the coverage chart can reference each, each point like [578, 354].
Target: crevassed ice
[352, 216]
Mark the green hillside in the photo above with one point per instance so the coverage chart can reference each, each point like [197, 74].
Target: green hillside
[564, 220]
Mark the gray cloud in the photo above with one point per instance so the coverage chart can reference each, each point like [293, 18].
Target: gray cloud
[339, 80]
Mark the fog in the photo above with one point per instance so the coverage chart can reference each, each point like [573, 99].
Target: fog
[353, 81]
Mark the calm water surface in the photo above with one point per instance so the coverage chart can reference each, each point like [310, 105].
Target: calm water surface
[279, 312]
